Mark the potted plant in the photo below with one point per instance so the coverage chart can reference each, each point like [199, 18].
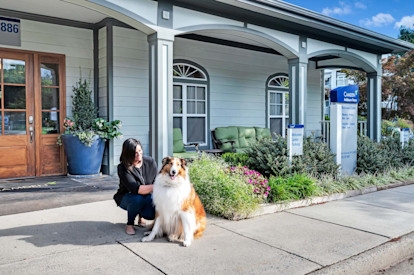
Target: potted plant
[85, 134]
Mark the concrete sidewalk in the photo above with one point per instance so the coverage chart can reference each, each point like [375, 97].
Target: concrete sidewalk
[355, 235]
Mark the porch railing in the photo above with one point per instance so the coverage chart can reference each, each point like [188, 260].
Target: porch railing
[326, 130]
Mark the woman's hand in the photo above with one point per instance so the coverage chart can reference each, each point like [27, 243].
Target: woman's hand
[145, 189]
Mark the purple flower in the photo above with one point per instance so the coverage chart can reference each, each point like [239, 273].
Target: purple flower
[261, 183]
[232, 168]
[268, 188]
[266, 193]
[266, 181]
[250, 181]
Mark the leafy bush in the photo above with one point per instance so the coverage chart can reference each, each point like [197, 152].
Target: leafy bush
[298, 186]
[235, 159]
[261, 189]
[317, 159]
[268, 157]
[370, 158]
[221, 193]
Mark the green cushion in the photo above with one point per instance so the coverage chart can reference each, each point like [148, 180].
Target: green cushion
[225, 134]
[186, 155]
[178, 145]
[262, 133]
[247, 135]
[241, 150]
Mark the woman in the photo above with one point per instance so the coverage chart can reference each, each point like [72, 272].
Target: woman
[136, 177]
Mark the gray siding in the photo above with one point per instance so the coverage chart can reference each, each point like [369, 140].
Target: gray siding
[131, 87]
[313, 102]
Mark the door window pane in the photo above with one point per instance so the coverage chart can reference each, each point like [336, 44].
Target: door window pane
[196, 129]
[201, 107]
[276, 126]
[190, 92]
[49, 74]
[191, 107]
[178, 92]
[177, 123]
[1, 124]
[14, 71]
[178, 107]
[279, 98]
[50, 98]
[16, 123]
[14, 97]
[0, 95]
[50, 122]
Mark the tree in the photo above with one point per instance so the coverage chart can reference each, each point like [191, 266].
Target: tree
[398, 84]
[406, 34]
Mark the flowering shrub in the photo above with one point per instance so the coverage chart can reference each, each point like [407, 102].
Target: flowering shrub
[100, 127]
[260, 184]
[221, 193]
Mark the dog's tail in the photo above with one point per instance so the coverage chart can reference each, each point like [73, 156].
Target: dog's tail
[201, 225]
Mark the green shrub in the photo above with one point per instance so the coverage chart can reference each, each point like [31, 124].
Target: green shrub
[317, 159]
[268, 157]
[222, 194]
[408, 153]
[298, 186]
[235, 159]
[370, 158]
[392, 151]
[254, 178]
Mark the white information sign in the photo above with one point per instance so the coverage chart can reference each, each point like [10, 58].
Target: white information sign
[295, 140]
[10, 31]
[404, 136]
[344, 126]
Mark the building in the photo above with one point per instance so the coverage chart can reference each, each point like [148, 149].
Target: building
[156, 65]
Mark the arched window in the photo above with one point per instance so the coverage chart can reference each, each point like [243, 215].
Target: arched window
[190, 104]
[278, 103]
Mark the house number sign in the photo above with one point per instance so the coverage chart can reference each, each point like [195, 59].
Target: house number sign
[10, 31]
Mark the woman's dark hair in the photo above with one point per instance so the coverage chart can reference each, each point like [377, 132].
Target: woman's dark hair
[128, 152]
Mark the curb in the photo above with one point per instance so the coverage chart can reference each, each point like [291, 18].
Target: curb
[279, 207]
[374, 259]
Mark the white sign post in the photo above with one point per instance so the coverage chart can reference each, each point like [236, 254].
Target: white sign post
[10, 31]
[404, 136]
[344, 123]
[295, 141]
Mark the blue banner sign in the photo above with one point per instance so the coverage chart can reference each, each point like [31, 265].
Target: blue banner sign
[292, 126]
[345, 94]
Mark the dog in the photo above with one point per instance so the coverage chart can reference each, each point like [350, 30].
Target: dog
[179, 212]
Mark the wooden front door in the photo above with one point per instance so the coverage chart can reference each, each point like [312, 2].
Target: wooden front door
[32, 108]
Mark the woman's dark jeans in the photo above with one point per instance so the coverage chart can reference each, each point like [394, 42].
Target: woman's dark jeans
[138, 204]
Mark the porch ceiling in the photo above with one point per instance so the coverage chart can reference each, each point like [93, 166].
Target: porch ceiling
[54, 8]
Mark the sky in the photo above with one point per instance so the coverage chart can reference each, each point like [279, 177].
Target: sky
[382, 16]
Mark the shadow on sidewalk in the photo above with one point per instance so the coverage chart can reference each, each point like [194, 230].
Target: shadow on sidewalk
[74, 233]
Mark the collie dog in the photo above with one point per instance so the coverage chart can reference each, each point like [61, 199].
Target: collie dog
[179, 212]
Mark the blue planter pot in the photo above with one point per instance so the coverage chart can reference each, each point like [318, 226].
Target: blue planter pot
[83, 160]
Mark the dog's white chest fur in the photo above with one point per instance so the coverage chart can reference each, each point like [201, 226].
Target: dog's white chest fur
[168, 198]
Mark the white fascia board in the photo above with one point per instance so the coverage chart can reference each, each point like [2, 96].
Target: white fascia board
[291, 40]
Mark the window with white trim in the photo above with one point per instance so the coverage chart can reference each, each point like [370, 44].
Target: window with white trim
[190, 103]
[278, 104]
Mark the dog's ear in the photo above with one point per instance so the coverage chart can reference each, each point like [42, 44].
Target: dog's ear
[183, 163]
[165, 161]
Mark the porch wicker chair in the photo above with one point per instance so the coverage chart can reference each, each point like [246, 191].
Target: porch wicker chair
[179, 150]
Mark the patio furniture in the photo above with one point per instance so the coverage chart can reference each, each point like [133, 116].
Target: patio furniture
[179, 150]
[216, 152]
[237, 138]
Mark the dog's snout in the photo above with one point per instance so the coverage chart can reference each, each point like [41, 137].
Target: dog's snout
[173, 171]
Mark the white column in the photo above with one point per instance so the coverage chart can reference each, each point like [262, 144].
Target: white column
[374, 106]
[161, 91]
[298, 74]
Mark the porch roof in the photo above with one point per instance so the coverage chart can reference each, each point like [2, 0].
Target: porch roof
[294, 19]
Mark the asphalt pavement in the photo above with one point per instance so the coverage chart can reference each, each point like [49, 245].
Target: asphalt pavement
[358, 235]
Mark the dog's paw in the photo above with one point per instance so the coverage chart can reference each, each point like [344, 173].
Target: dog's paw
[147, 239]
[186, 243]
[172, 238]
[147, 233]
